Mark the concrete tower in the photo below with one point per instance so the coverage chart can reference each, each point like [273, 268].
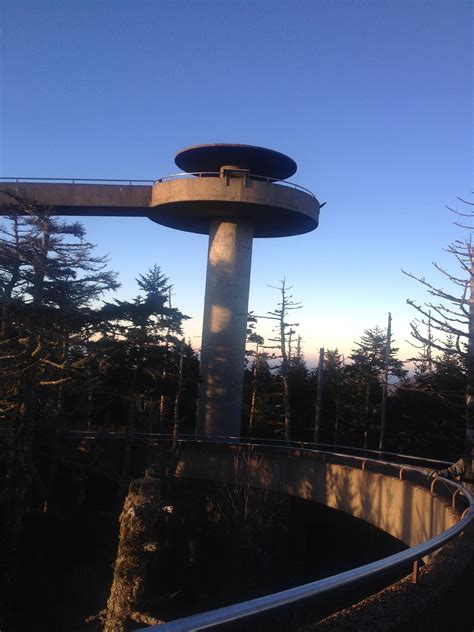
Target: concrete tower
[233, 193]
[234, 197]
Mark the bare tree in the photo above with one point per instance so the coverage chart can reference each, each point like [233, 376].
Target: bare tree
[451, 313]
[386, 367]
[284, 330]
[177, 398]
[319, 396]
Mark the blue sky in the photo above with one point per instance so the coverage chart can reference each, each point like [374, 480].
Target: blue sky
[372, 99]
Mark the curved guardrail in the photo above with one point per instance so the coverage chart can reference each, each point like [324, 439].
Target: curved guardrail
[211, 619]
[378, 455]
[250, 176]
[244, 611]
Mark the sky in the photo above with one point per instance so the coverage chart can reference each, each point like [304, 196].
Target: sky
[373, 100]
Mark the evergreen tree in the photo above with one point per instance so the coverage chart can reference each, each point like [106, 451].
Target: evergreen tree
[428, 409]
[365, 377]
[49, 279]
[257, 377]
[333, 393]
[301, 394]
[142, 340]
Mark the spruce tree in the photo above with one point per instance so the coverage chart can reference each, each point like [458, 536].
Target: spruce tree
[142, 340]
[365, 377]
[49, 280]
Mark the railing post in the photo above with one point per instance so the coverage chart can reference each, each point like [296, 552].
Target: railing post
[453, 500]
[416, 571]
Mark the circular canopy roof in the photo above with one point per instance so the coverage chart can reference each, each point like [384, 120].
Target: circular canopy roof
[258, 160]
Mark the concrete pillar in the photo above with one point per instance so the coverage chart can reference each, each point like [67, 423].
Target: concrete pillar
[224, 328]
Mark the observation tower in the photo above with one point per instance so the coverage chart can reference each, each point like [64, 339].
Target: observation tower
[236, 193]
[231, 192]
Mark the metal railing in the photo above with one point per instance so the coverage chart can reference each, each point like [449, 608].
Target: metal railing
[353, 578]
[340, 450]
[246, 610]
[246, 175]
[176, 176]
[213, 618]
[76, 180]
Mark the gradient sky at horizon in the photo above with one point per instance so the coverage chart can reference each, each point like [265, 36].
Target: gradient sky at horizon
[372, 99]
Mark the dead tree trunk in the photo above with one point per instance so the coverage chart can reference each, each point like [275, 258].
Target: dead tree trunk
[319, 396]
[285, 330]
[367, 413]
[285, 370]
[338, 408]
[253, 404]
[383, 414]
[470, 358]
[177, 399]
[164, 372]
[139, 521]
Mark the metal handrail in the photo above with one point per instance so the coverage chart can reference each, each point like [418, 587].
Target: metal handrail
[75, 180]
[246, 609]
[220, 616]
[199, 174]
[251, 176]
[376, 453]
[328, 447]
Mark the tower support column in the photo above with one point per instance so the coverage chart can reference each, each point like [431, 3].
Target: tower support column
[224, 328]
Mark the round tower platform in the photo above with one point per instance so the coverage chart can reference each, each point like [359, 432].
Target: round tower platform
[235, 183]
[275, 210]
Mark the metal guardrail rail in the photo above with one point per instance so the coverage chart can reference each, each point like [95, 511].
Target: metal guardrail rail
[176, 176]
[75, 180]
[247, 609]
[244, 611]
[213, 618]
[392, 457]
[246, 175]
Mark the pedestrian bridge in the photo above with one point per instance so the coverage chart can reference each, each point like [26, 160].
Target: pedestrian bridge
[392, 492]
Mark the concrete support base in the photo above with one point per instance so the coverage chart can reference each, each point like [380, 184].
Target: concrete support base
[224, 328]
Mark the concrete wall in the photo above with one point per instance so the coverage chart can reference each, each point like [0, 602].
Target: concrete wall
[407, 511]
[275, 210]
